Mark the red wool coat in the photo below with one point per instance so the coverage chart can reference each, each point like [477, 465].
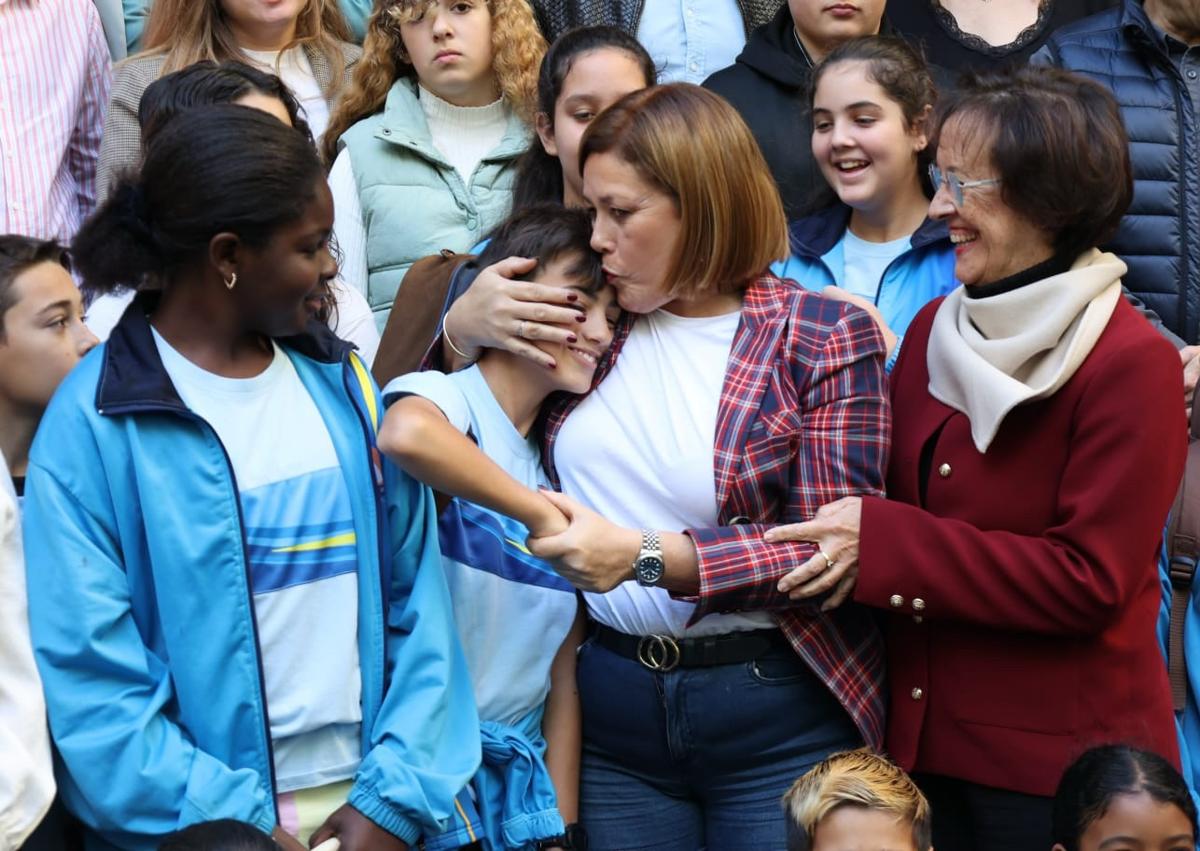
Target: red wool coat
[1022, 583]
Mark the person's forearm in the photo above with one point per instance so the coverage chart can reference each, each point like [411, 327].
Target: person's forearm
[455, 354]
[682, 574]
[562, 723]
[438, 454]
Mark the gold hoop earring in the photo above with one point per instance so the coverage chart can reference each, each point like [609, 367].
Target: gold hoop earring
[232, 282]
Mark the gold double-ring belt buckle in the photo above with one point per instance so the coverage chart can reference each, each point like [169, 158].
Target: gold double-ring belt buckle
[659, 653]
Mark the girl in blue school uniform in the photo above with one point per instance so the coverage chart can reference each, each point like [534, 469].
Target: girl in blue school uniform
[874, 245]
[238, 611]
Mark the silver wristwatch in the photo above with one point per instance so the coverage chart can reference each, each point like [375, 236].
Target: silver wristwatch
[649, 566]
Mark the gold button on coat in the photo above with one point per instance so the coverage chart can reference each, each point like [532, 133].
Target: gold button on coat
[944, 471]
[917, 694]
[918, 604]
[897, 601]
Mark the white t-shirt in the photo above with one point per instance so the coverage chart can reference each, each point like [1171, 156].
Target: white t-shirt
[865, 262]
[352, 320]
[297, 74]
[512, 610]
[300, 541]
[639, 450]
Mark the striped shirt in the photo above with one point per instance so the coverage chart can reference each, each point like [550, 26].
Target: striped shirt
[54, 84]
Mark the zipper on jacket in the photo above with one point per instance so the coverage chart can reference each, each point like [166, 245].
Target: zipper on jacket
[262, 683]
[349, 380]
[888, 268]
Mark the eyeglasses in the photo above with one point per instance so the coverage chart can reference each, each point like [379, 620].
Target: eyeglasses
[938, 178]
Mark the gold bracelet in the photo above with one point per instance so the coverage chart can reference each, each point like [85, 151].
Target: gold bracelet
[450, 343]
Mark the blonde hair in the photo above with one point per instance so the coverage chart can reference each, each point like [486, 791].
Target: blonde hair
[694, 146]
[856, 778]
[188, 31]
[517, 50]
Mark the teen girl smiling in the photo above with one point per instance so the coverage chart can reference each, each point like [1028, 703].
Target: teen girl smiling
[874, 244]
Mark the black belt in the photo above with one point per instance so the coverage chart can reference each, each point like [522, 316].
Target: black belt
[665, 653]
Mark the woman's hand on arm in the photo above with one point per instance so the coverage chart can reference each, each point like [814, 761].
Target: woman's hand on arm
[889, 336]
[355, 831]
[596, 555]
[834, 566]
[417, 436]
[498, 312]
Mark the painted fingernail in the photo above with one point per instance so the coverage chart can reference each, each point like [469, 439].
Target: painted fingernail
[581, 318]
[572, 296]
[551, 365]
[571, 338]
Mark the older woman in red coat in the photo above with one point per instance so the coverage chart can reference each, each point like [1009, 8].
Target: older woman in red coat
[1037, 445]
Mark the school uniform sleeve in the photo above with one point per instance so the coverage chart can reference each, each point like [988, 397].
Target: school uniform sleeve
[348, 228]
[27, 781]
[424, 744]
[438, 388]
[133, 770]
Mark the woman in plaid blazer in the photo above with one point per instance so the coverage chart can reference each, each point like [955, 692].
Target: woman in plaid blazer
[729, 401]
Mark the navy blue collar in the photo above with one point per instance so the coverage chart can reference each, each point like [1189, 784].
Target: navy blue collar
[1137, 24]
[132, 375]
[813, 236]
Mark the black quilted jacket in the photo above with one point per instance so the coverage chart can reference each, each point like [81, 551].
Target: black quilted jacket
[558, 16]
[1160, 236]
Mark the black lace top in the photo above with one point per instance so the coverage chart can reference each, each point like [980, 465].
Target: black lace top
[926, 22]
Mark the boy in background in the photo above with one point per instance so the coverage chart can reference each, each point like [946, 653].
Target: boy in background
[42, 337]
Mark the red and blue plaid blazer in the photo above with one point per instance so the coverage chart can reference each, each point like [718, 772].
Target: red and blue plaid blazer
[803, 420]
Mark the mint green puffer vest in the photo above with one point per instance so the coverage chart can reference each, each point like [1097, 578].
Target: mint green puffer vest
[414, 203]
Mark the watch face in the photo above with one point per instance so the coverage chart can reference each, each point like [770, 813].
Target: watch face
[649, 570]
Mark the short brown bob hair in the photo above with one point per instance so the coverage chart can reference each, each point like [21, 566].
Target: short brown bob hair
[1056, 142]
[695, 147]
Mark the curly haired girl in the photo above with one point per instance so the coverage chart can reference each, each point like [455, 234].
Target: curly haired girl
[424, 143]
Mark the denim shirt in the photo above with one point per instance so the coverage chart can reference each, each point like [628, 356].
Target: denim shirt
[691, 39]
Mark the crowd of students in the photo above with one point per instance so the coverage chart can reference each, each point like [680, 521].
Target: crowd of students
[489, 438]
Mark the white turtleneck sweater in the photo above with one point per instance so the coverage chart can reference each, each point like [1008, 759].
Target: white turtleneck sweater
[464, 135]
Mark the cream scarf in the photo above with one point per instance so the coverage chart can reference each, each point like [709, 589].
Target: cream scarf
[988, 355]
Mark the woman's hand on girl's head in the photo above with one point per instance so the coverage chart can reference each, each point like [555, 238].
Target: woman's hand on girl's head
[497, 312]
[839, 294]
[834, 566]
[356, 832]
[591, 553]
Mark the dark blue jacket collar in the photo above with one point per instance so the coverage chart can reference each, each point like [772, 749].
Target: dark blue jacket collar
[1136, 24]
[132, 375]
[813, 236]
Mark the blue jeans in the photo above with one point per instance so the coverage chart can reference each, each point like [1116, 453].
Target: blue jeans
[701, 757]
